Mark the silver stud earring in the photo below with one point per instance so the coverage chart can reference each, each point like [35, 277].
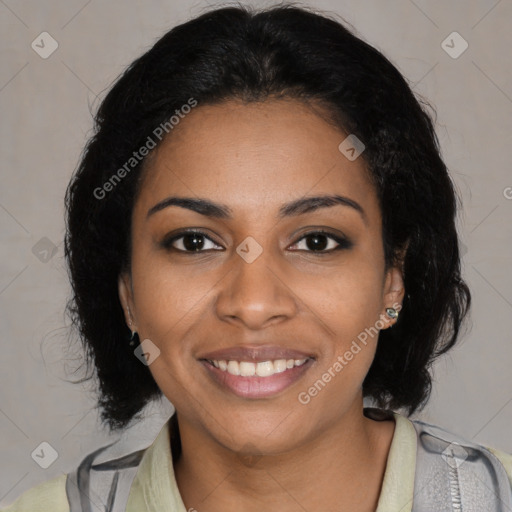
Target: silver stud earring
[392, 313]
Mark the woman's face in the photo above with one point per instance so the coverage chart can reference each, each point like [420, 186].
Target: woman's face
[259, 283]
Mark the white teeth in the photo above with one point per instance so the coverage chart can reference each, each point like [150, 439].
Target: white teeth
[265, 369]
[280, 365]
[247, 369]
[233, 368]
[260, 369]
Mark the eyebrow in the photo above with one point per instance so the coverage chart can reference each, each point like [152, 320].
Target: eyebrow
[298, 207]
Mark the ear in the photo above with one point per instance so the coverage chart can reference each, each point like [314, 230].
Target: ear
[394, 292]
[126, 297]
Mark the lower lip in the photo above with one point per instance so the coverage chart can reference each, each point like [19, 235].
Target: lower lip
[257, 387]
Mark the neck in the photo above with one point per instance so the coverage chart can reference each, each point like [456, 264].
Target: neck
[341, 468]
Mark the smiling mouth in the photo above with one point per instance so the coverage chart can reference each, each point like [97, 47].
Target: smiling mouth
[256, 369]
[256, 379]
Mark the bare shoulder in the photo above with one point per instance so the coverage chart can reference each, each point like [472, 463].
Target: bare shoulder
[50, 495]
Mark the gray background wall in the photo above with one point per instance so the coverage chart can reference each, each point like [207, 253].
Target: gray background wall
[45, 105]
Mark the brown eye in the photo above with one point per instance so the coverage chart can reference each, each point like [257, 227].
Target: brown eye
[322, 242]
[190, 241]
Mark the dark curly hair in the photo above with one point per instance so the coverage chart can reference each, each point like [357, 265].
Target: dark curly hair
[252, 55]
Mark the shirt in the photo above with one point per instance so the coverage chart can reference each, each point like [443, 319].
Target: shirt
[154, 488]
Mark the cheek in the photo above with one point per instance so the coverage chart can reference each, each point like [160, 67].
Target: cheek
[170, 308]
[350, 305]
[168, 296]
[349, 298]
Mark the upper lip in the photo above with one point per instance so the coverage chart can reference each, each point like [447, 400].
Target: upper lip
[255, 354]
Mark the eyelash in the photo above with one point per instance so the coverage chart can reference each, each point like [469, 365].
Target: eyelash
[343, 243]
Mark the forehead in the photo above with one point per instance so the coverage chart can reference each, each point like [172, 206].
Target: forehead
[249, 155]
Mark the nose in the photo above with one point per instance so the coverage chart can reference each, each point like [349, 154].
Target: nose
[255, 294]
